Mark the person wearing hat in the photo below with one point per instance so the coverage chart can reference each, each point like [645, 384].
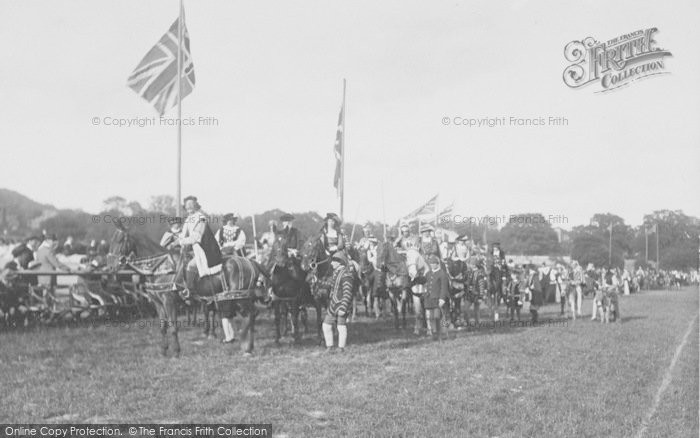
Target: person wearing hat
[289, 234]
[331, 236]
[406, 240]
[477, 288]
[534, 288]
[428, 244]
[339, 299]
[436, 296]
[197, 235]
[364, 242]
[231, 237]
[460, 250]
[170, 241]
[46, 259]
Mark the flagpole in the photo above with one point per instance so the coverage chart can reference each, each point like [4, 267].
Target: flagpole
[342, 156]
[646, 245]
[383, 211]
[179, 112]
[255, 240]
[610, 248]
[657, 248]
[437, 210]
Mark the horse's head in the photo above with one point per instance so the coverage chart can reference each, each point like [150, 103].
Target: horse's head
[312, 253]
[415, 262]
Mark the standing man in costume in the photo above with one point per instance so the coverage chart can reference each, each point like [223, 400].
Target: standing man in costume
[338, 302]
[331, 236]
[197, 235]
[534, 287]
[436, 296]
[230, 237]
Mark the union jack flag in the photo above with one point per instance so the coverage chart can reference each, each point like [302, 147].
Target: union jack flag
[427, 209]
[155, 78]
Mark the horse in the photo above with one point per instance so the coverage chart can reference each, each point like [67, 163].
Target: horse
[370, 284]
[476, 292]
[403, 278]
[317, 265]
[288, 286]
[458, 273]
[236, 281]
[497, 277]
[166, 288]
[359, 293]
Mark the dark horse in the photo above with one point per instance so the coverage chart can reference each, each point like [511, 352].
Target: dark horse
[287, 281]
[165, 286]
[498, 277]
[317, 265]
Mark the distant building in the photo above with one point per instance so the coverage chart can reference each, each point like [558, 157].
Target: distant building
[563, 236]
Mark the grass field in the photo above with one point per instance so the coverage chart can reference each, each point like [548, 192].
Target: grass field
[581, 379]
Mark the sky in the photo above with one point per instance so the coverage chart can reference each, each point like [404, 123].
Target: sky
[270, 74]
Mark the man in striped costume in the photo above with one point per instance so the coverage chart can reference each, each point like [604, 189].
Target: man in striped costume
[339, 302]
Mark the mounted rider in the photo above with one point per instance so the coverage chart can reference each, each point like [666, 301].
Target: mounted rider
[289, 234]
[428, 245]
[197, 235]
[332, 237]
[230, 237]
[170, 240]
[406, 240]
[364, 243]
[460, 250]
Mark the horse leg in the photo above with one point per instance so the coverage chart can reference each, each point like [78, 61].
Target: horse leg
[162, 318]
[296, 330]
[319, 323]
[248, 328]
[205, 313]
[276, 308]
[170, 306]
[304, 316]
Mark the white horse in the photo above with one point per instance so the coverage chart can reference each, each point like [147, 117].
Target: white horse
[417, 271]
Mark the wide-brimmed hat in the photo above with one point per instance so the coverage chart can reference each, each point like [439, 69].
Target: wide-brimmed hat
[373, 239]
[462, 238]
[172, 220]
[333, 216]
[426, 228]
[433, 259]
[286, 217]
[230, 217]
[20, 249]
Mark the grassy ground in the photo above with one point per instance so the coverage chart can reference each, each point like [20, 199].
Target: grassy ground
[580, 379]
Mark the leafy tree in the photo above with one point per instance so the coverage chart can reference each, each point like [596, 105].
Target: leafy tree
[164, 204]
[529, 234]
